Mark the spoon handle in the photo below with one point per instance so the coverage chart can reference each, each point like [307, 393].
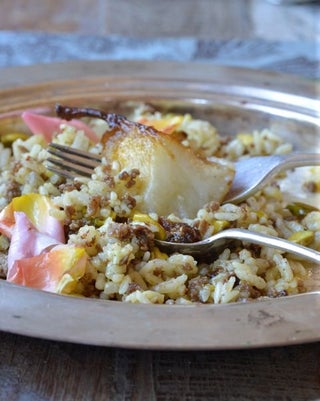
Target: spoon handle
[280, 243]
[220, 241]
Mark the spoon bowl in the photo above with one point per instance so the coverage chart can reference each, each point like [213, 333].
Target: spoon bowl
[216, 243]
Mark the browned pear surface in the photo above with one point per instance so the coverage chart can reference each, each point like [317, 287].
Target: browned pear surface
[172, 178]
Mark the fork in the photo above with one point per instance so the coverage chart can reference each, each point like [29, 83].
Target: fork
[252, 173]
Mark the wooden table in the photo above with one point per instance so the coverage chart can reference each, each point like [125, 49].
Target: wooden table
[207, 19]
[39, 370]
[42, 370]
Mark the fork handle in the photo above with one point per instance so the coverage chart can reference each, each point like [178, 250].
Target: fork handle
[293, 160]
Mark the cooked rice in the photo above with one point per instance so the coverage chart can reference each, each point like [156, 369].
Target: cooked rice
[124, 265]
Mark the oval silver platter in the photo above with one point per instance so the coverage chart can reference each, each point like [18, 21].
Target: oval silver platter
[234, 100]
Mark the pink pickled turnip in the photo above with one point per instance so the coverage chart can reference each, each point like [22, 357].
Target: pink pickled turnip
[49, 126]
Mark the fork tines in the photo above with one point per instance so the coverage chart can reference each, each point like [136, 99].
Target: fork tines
[70, 162]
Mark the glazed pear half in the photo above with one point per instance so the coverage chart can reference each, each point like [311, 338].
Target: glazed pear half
[172, 178]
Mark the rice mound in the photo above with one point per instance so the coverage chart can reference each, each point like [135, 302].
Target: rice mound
[124, 264]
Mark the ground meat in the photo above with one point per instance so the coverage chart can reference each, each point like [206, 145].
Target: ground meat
[252, 292]
[144, 236]
[70, 211]
[130, 201]
[3, 265]
[213, 206]
[120, 231]
[73, 226]
[194, 287]
[124, 175]
[94, 206]
[88, 289]
[16, 166]
[132, 287]
[202, 226]
[130, 177]
[125, 232]
[13, 190]
[109, 180]
[255, 250]
[179, 232]
[70, 186]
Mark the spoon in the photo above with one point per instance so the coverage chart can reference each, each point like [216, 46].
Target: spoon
[219, 241]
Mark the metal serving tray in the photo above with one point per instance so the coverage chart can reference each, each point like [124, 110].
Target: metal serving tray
[233, 100]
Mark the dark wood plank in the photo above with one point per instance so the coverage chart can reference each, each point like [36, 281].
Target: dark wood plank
[34, 370]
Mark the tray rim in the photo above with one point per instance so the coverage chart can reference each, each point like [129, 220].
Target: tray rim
[268, 317]
[261, 324]
[17, 76]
